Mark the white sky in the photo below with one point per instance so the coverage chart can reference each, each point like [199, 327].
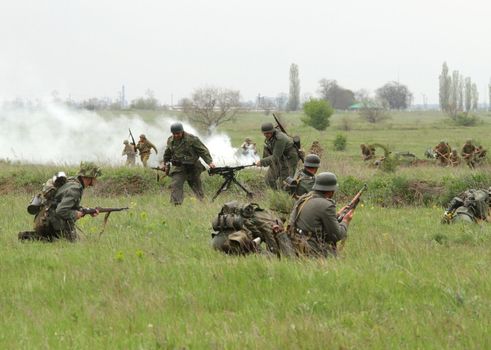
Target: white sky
[90, 48]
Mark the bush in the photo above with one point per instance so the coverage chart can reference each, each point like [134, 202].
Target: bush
[340, 142]
[317, 113]
[465, 119]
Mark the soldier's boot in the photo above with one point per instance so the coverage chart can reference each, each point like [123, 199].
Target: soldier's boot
[27, 236]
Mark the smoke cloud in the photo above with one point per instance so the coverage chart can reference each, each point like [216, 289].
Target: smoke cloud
[55, 134]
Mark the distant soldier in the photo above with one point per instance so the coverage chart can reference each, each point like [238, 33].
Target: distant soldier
[248, 147]
[316, 148]
[314, 228]
[304, 179]
[454, 159]
[182, 155]
[144, 147]
[280, 155]
[130, 153]
[443, 151]
[480, 154]
[367, 152]
[60, 205]
[468, 153]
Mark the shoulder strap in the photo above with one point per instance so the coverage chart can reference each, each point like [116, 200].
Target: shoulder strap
[301, 205]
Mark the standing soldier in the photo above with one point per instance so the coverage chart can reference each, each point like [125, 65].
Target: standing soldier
[130, 153]
[304, 179]
[468, 153]
[443, 151]
[279, 154]
[144, 146]
[183, 152]
[314, 227]
[57, 215]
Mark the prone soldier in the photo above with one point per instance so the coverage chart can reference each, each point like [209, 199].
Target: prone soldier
[182, 156]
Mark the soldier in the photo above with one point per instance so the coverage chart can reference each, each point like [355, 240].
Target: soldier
[367, 152]
[454, 158]
[468, 153]
[248, 147]
[316, 148]
[443, 151]
[57, 215]
[183, 152]
[130, 153]
[304, 179]
[144, 146]
[314, 228]
[279, 154]
[480, 154]
[470, 206]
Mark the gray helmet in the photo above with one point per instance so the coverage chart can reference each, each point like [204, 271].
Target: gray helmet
[267, 127]
[312, 161]
[142, 136]
[125, 142]
[325, 182]
[176, 127]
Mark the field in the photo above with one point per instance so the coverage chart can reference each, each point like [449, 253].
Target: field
[151, 281]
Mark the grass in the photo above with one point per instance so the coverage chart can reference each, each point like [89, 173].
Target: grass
[150, 281]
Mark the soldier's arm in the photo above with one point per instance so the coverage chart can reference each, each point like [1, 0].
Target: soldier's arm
[202, 151]
[279, 148]
[65, 209]
[153, 146]
[334, 230]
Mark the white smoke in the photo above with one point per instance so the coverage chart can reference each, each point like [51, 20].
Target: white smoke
[55, 134]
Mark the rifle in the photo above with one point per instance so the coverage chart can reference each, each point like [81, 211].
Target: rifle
[132, 139]
[108, 212]
[165, 170]
[228, 173]
[352, 204]
[296, 139]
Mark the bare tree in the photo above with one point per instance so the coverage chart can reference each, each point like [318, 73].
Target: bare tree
[474, 97]
[210, 106]
[453, 99]
[396, 95]
[489, 95]
[338, 97]
[294, 95]
[460, 98]
[373, 111]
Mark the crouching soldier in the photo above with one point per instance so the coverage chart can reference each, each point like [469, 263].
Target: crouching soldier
[303, 181]
[57, 207]
[314, 229]
[472, 206]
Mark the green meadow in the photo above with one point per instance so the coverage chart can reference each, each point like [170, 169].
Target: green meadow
[151, 281]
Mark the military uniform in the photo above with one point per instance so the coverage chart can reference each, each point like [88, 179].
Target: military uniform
[184, 156]
[454, 158]
[57, 215]
[470, 206]
[145, 148]
[316, 148]
[443, 151]
[130, 153]
[304, 182]
[281, 156]
[314, 229]
[367, 152]
[468, 153]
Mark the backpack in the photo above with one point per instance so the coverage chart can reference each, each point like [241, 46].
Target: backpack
[478, 202]
[237, 225]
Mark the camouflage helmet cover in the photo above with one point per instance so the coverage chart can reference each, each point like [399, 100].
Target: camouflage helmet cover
[325, 182]
[89, 169]
[312, 161]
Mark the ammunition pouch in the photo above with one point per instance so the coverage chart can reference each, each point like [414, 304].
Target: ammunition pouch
[226, 222]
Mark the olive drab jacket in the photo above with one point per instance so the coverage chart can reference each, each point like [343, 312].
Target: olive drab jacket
[317, 217]
[305, 181]
[145, 147]
[185, 153]
[278, 150]
[66, 202]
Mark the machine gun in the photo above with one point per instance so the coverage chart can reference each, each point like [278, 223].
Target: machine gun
[352, 204]
[229, 173]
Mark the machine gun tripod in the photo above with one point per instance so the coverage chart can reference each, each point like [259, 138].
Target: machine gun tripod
[229, 173]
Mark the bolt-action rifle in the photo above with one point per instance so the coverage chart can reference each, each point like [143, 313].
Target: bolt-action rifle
[132, 140]
[296, 139]
[165, 170]
[108, 212]
[352, 204]
[229, 173]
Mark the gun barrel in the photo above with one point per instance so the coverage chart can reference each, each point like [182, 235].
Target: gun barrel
[102, 210]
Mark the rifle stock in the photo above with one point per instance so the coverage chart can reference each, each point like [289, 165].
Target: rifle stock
[101, 210]
[352, 204]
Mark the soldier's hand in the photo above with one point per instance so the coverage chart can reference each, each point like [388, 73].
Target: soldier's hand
[342, 209]
[211, 165]
[258, 163]
[349, 215]
[94, 214]
[79, 214]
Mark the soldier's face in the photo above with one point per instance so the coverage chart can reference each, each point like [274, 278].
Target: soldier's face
[267, 135]
[177, 135]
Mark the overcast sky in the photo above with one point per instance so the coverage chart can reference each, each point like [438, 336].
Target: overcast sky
[92, 47]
